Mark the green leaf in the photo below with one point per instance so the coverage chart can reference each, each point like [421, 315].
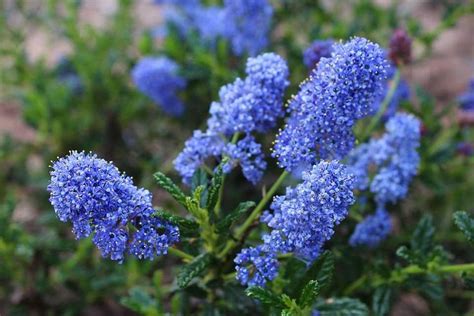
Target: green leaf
[193, 269]
[168, 184]
[321, 270]
[185, 225]
[309, 294]
[265, 296]
[422, 239]
[224, 224]
[140, 301]
[199, 178]
[468, 281]
[342, 307]
[465, 223]
[216, 184]
[381, 301]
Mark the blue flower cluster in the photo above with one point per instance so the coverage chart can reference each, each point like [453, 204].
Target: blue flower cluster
[340, 91]
[255, 267]
[97, 199]
[372, 230]
[158, 79]
[466, 100]
[394, 159]
[304, 218]
[248, 105]
[317, 50]
[244, 23]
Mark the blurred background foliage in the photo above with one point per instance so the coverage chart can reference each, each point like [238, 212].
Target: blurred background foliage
[85, 100]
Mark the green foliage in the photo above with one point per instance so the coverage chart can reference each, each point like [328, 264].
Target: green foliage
[381, 301]
[342, 307]
[465, 223]
[224, 224]
[309, 294]
[193, 269]
[168, 184]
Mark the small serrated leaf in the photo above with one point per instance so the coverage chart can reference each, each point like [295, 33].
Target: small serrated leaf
[342, 307]
[185, 225]
[465, 223]
[193, 269]
[321, 270]
[216, 184]
[422, 239]
[265, 296]
[309, 294]
[224, 224]
[381, 301]
[168, 184]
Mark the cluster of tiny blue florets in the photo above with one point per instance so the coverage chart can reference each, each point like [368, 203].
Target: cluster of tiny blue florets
[158, 79]
[394, 159]
[303, 219]
[244, 23]
[372, 230]
[466, 100]
[255, 266]
[97, 199]
[317, 50]
[248, 105]
[340, 91]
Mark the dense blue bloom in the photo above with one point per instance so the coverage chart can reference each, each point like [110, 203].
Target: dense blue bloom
[341, 90]
[248, 25]
[255, 103]
[197, 149]
[93, 195]
[372, 230]
[466, 100]
[248, 154]
[395, 154]
[158, 79]
[318, 49]
[305, 217]
[255, 266]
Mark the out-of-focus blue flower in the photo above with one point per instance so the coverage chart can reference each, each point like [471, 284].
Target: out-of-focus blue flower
[248, 154]
[304, 218]
[255, 103]
[372, 230]
[340, 91]
[248, 25]
[197, 149]
[210, 22]
[466, 100]
[96, 198]
[318, 49]
[255, 267]
[67, 74]
[465, 149]
[158, 78]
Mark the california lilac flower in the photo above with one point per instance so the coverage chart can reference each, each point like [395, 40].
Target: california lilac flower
[210, 22]
[197, 149]
[465, 149]
[395, 154]
[255, 103]
[248, 105]
[466, 100]
[248, 25]
[372, 230]
[400, 47]
[255, 267]
[305, 217]
[158, 78]
[248, 154]
[340, 91]
[318, 49]
[97, 199]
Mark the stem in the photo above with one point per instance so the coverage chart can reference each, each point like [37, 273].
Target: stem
[180, 254]
[254, 215]
[355, 285]
[383, 107]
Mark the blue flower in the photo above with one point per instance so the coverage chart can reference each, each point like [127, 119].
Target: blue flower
[255, 267]
[248, 25]
[340, 91]
[305, 217]
[248, 154]
[318, 49]
[158, 79]
[255, 103]
[466, 100]
[372, 230]
[92, 194]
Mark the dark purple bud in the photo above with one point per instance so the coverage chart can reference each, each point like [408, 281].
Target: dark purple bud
[400, 47]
